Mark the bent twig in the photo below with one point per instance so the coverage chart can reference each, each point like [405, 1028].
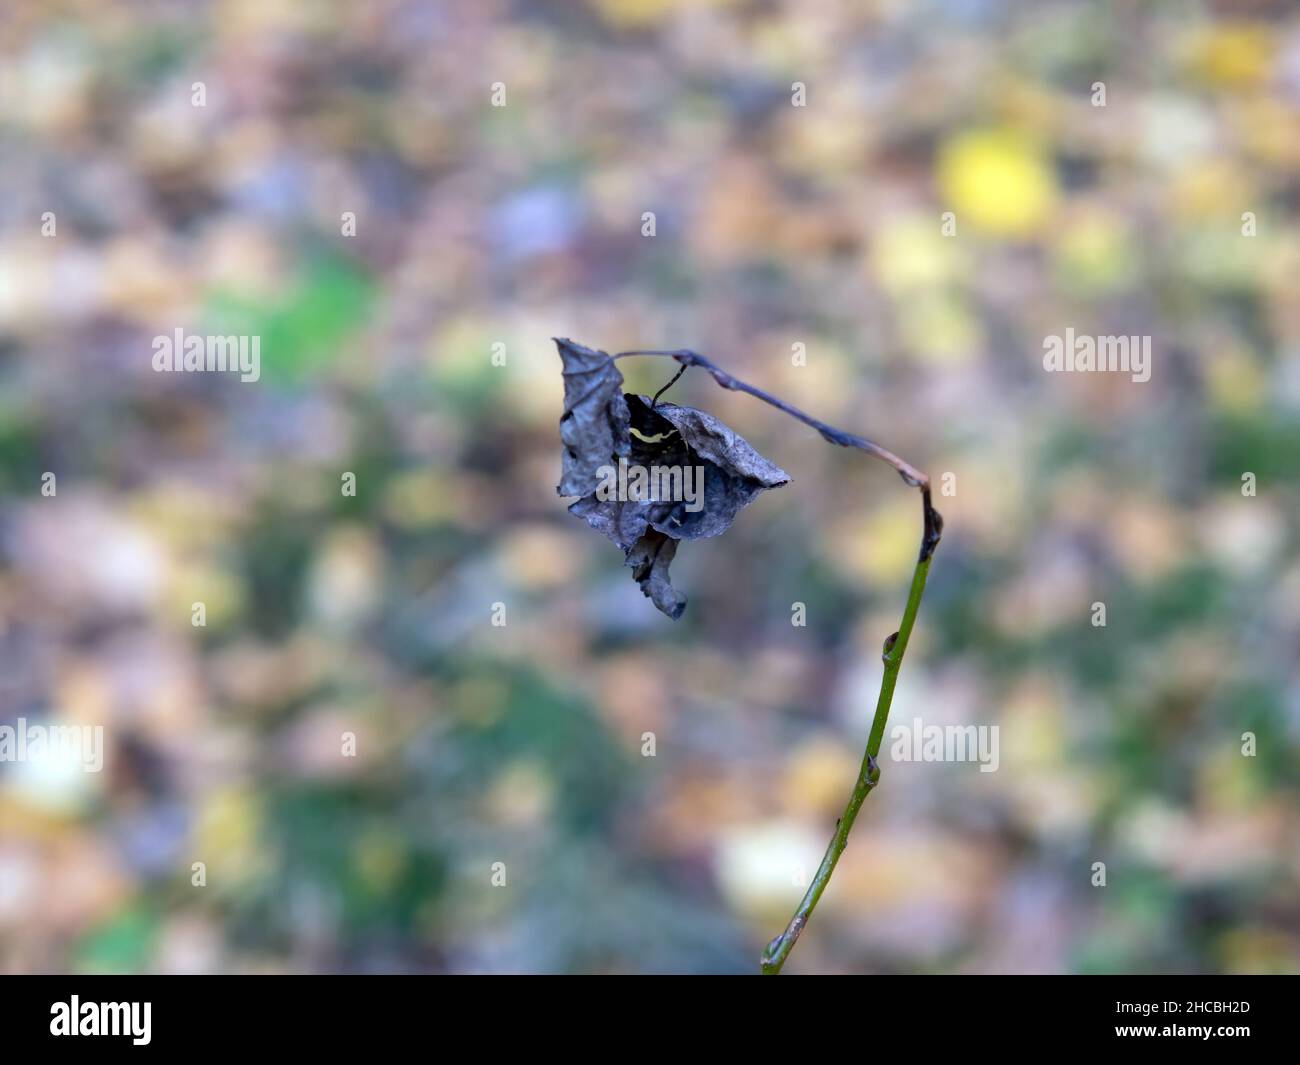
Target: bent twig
[778, 950]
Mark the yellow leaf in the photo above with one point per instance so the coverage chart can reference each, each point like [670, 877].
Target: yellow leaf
[997, 180]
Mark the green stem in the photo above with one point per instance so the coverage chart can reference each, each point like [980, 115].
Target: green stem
[779, 949]
[931, 532]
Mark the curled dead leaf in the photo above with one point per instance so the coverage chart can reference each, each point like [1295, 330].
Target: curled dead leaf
[607, 433]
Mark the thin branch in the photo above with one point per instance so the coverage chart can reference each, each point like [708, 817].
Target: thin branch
[655, 402]
[868, 775]
[778, 950]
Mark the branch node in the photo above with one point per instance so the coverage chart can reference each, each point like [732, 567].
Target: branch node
[890, 640]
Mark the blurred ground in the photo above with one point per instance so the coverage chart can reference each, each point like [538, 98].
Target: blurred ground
[483, 230]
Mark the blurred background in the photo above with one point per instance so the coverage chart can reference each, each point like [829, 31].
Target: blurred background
[485, 230]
